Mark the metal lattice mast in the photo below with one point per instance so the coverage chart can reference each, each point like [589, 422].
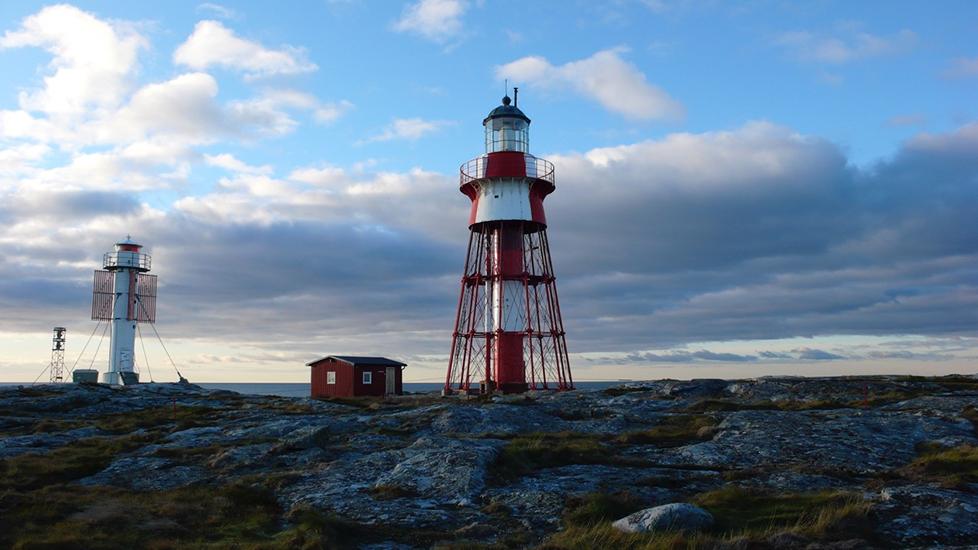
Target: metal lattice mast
[57, 367]
[508, 333]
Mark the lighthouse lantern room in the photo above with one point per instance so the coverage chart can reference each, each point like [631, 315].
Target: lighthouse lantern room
[508, 333]
[124, 294]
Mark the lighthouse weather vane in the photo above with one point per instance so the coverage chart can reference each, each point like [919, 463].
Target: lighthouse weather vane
[124, 294]
[508, 333]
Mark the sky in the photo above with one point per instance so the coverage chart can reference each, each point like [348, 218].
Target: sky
[743, 188]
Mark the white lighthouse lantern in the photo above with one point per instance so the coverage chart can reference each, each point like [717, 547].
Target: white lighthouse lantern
[507, 129]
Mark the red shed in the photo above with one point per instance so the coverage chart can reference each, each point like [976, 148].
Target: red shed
[348, 376]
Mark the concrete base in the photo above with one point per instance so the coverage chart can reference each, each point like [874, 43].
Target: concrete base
[120, 378]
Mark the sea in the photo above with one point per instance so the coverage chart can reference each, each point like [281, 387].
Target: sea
[301, 389]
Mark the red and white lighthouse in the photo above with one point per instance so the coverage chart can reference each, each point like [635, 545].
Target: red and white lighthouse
[508, 331]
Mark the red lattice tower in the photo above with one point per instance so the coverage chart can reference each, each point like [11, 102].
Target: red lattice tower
[508, 331]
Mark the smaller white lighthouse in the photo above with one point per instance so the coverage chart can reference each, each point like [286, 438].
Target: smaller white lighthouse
[124, 294]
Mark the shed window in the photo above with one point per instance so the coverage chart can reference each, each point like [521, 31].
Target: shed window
[368, 377]
[331, 377]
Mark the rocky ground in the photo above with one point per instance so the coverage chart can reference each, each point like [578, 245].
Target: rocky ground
[778, 462]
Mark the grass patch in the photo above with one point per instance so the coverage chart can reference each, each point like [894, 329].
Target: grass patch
[314, 529]
[732, 405]
[179, 453]
[581, 413]
[886, 398]
[497, 508]
[287, 407]
[624, 390]
[76, 460]
[525, 453]
[391, 492]
[673, 431]
[102, 517]
[27, 391]
[744, 519]
[50, 425]
[951, 467]
[237, 516]
[174, 418]
[870, 401]
[594, 508]
[955, 382]
[746, 511]
[603, 535]
[395, 431]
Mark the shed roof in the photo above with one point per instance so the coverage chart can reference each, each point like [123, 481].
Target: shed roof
[361, 360]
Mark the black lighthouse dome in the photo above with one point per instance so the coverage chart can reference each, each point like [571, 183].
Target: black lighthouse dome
[506, 110]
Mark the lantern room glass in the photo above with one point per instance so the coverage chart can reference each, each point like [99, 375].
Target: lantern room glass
[507, 134]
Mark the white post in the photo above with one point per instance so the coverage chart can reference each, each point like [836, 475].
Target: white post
[126, 262]
[123, 340]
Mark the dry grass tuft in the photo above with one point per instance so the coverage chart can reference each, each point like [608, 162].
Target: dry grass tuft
[953, 468]
[674, 431]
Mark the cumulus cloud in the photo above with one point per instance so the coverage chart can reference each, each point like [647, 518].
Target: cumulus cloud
[847, 46]
[435, 20]
[605, 77]
[323, 112]
[213, 44]
[233, 164]
[91, 98]
[409, 129]
[764, 233]
[92, 60]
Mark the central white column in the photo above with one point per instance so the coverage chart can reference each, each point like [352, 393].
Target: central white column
[123, 340]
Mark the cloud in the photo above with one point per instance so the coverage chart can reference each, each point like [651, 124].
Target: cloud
[760, 232]
[218, 10]
[912, 119]
[809, 354]
[183, 107]
[714, 356]
[756, 232]
[847, 46]
[909, 355]
[409, 129]
[962, 67]
[323, 113]
[19, 159]
[212, 44]
[435, 20]
[604, 77]
[93, 60]
[233, 164]
[327, 175]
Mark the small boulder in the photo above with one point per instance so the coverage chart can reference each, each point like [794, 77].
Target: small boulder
[668, 517]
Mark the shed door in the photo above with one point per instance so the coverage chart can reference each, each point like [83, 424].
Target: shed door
[391, 379]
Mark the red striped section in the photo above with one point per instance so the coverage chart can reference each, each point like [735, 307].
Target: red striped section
[506, 164]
